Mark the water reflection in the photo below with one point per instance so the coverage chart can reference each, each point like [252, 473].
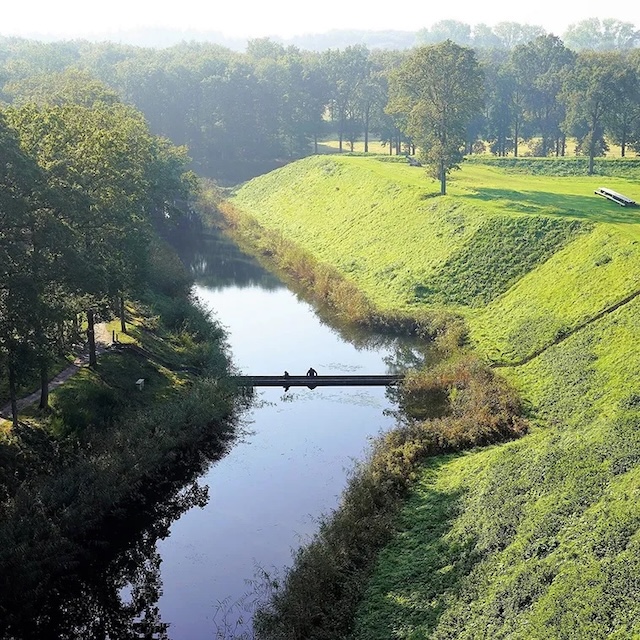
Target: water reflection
[268, 494]
[216, 262]
[105, 587]
[168, 570]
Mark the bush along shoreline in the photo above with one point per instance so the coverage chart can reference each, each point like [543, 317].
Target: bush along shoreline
[458, 405]
[319, 595]
[326, 286]
[88, 488]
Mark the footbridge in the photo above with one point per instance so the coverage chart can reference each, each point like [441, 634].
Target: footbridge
[318, 381]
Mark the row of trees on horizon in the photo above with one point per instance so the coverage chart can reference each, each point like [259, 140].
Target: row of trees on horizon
[88, 136]
[242, 113]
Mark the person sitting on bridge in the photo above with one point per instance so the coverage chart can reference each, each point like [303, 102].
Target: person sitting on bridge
[312, 372]
[286, 374]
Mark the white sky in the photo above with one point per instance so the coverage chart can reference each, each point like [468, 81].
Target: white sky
[286, 18]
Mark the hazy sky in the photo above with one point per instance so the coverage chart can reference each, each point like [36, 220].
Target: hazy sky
[286, 18]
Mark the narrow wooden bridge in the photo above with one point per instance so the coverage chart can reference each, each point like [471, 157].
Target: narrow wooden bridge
[317, 381]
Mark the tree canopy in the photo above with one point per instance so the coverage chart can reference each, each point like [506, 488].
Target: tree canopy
[440, 89]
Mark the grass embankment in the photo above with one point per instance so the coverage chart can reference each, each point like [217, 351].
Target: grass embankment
[537, 538]
[84, 482]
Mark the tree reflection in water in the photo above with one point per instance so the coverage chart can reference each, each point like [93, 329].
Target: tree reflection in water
[107, 588]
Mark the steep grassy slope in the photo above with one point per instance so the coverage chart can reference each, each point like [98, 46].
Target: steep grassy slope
[538, 538]
[526, 259]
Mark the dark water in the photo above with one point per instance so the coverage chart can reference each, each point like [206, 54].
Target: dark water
[186, 566]
[291, 467]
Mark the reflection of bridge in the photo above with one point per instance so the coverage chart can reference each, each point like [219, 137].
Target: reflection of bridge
[317, 381]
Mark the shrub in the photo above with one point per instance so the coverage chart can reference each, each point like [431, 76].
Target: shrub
[318, 596]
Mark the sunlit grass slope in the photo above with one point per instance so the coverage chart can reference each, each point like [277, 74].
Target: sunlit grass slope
[535, 539]
[526, 259]
[538, 538]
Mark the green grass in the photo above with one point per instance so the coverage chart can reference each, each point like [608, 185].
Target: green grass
[547, 529]
[499, 238]
[538, 538]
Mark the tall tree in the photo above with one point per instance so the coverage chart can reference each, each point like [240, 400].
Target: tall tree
[440, 88]
[539, 68]
[589, 93]
[601, 35]
[454, 30]
[346, 71]
[100, 157]
[514, 34]
[623, 117]
[35, 244]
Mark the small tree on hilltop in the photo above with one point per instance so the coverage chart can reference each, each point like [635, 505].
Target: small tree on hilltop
[440, 89]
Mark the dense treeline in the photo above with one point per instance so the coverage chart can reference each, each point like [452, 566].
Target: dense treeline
[83, 183]
[85, 178]
[86, 489]
[240, 114]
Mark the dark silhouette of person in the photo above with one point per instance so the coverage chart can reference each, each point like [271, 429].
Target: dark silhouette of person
[286, 374]
[311, 374]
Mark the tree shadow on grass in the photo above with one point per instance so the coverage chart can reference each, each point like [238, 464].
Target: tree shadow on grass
[588, 207]
[422, 569]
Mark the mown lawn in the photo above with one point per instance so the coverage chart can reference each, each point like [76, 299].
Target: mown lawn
[537, 538]
[524, 258]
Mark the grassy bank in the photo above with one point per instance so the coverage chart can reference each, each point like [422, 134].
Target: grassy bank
[535, 538]
[95, 481]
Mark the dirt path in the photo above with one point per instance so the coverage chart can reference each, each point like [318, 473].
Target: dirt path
[103, 342]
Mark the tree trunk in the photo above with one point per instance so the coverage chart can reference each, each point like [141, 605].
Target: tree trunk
[91, 338]
[366, 134]
[515, 139]
[315, 143]
[443, 179]
[123, 324]
[12, 394]
[592, 145]
[44, 384]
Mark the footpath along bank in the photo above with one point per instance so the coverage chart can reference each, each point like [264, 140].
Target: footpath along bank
[529, 282]
[88, 486]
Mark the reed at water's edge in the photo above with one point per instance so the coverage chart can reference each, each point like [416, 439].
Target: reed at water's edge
[327, 287]
[458, 405]
[319, 595]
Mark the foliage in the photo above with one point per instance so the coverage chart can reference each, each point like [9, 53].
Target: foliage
[93, 182]
[317, 597]
[526, 539]
[439, 90]
[602, 35]
[109, 465]
[590, 90]
[241, 114]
